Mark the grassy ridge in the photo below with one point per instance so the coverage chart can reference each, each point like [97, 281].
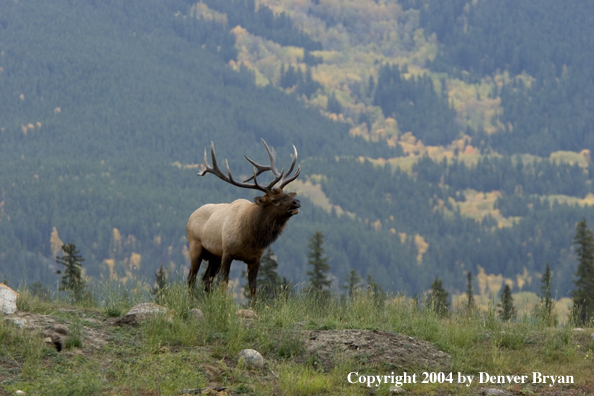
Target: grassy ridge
[173, 352]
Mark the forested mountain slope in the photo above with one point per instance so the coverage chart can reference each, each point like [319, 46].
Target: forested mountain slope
[417, 160]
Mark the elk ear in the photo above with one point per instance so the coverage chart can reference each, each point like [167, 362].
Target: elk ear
[292, 194]
[260, 201]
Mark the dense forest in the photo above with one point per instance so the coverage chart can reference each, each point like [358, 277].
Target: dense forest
[107, 106]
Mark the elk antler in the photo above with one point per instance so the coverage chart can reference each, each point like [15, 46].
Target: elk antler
[258, 169]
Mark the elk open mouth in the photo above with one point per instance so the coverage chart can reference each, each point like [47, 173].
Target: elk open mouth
[295, 209]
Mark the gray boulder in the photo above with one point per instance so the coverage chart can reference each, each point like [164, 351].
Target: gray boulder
[252, 358]
[8, 298]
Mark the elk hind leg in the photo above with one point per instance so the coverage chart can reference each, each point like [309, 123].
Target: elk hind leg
[214, 265]
[225, 268]
[196, 256]
[253, 268]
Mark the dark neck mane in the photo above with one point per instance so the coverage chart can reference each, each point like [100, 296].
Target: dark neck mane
[266, 226]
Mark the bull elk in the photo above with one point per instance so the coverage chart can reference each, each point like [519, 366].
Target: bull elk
[241, 230]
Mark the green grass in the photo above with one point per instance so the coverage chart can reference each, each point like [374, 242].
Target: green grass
[173, 351]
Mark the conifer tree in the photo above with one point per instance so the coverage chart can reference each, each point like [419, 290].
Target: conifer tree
[72, 279]
[334, 105]
[318, 276]
[507, 310]
[546, 297]
[268, 279]
[353, 283]
[438, 298]
[161, 281]
[469, 292]
[583, 295]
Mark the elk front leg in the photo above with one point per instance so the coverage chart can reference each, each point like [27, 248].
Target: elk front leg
[253, 268]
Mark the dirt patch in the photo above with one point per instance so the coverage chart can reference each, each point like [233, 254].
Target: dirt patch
[372, 347]
[93, 335]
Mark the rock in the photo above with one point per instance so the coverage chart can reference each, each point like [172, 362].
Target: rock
[197, 314]
[252, 358]
[579, 329]
[48, 341]
[137, 314]
[20, 392]
[247, 314]
[58, 340]
[62, 329]
[396, 390]
[126, 320]
[8, 298]
[493, 391]
[146, 308]
[195, 391]
[18, 322]
[592, 336]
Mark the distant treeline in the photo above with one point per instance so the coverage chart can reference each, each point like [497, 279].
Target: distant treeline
[262, 22]
[507, 175]
[416, 106]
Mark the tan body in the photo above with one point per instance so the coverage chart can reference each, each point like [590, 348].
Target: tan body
[241, 230]
[215, 228]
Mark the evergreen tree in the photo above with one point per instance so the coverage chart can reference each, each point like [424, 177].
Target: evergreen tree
[318, 276]
[40, 291]
[72, 279]
[507, 310]
[333, 104]
[469, 292]
[583, 295]
[438, 298]
[353, 283]
[161, 281]
[546, 298]
[268, 279]
[376, 289]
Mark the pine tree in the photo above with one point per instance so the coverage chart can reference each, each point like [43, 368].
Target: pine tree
[268, 279]
[72, 279]
[318, 276]
[469, 292]
[375, 288]
[353, 283]
[546, 297]
[161, 281]
[507, 310]
[438, 298]
[583, 295]
[270, 284]
[334, 105]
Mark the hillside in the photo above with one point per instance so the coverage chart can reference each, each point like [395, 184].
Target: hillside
[417, 160]
[309, 347]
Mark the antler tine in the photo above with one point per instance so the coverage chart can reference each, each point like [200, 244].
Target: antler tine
[290, 179]
[277, 178]
[202, 172]
[263, 168]
[287, 180]
[271, 155]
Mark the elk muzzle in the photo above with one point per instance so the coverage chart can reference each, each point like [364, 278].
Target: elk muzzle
[294, 208]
